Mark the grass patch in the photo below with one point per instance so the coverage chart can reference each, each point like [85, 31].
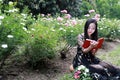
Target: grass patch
[112, 57]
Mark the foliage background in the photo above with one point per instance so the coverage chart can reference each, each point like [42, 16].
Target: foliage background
[77, 8]
[40, 28]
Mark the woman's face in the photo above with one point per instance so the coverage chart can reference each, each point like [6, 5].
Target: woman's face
[91, 29]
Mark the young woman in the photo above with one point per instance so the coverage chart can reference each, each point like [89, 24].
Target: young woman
[86, 56]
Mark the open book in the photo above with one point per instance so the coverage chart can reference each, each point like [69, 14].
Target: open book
[86, 43]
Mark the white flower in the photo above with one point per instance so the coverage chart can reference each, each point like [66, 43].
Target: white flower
[23, 24]
[4, 45]
[15, 10]
[86, 70]
[118, 30]
[64, 30]
[10, 36]
[81, 67]
[10, 3]
[23, 20]
[101, 28]
[85, 73]
[1, 17]
[71, 30]
[60, 28]
[12, 10]
[24, 15]
[82, 73]
[52, 29]
[24, 28]
[33, 29]
[28, 32]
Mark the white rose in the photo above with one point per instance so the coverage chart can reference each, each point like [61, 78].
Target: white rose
[4, 45]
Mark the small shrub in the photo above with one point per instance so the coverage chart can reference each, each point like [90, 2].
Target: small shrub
[41, 43]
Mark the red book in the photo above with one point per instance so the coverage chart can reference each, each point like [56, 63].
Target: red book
[86, 43]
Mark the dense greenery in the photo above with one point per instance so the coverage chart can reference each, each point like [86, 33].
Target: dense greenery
[41, 38]
[49, 6]
[109, 9]
[76, 8]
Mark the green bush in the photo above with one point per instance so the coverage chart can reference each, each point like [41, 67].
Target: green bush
[109, 28]
[13, 28]
[49, 6]
[41, 43]
[12, 32]
[110, 8]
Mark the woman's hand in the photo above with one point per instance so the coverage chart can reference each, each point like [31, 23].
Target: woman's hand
[93, 43]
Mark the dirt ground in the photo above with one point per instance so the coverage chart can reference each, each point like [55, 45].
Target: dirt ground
[52, 69]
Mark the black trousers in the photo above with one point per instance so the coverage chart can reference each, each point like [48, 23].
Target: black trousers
[104, 68]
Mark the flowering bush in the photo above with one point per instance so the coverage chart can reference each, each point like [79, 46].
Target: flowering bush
[82, 73]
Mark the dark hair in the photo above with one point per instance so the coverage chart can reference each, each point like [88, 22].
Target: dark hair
[94, 36]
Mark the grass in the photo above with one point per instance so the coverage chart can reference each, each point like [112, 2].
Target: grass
[112, 57]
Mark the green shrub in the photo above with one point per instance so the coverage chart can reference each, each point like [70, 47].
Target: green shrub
[110, 8]
[41, 43]
[12, 32]
[109, 28]
[13, 28]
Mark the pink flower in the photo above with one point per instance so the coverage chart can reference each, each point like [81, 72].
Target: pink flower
[48, 14]
[87, 15]
[67, 16]
[64, 11]
[66, 24]
[59, 19]
[74, 22]
[77, 74]
[42, 15]
[97, 17]
[91, 11]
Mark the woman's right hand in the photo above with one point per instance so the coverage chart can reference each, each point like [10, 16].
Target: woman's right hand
[93, 43]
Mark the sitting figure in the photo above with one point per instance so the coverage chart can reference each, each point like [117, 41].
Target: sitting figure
[86, 56]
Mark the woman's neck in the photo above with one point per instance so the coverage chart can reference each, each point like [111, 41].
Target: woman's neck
[90, 37]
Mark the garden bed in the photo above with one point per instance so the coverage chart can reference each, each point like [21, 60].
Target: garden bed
[48, 69]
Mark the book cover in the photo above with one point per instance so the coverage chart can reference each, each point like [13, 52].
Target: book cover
[86, 43]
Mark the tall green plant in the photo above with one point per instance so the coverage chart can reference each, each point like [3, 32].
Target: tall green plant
[41, 43]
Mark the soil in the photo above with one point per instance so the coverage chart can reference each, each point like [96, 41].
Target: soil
[48, 69]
